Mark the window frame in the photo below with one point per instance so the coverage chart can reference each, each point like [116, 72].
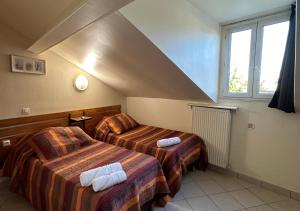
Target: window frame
[259, 46]
[256, 25]
[239, 28]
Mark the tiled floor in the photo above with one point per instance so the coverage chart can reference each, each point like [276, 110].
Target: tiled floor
[211, 191]
[201, 191]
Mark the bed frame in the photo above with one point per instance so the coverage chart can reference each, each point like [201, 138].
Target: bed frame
[14, 129]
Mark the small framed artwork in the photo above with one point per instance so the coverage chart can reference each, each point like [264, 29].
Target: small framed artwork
[22, 64]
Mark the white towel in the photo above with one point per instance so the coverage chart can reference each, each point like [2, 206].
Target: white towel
[107, 181]
[87, 177]
[168, 142]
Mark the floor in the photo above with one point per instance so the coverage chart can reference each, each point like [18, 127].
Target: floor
[200, 191]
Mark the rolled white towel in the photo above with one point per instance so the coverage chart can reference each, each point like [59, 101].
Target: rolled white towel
[107, 181]
[87, 177]
[168, 142]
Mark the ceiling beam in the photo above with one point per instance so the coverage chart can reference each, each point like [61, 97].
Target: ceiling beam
[89, 12]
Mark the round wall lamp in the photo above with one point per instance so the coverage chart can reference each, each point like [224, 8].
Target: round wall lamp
[81, 83]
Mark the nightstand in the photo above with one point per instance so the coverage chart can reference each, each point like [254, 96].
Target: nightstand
[78, 121]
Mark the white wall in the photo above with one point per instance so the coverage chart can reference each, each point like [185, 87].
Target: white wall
[270, 152]
[185, 34]
[53, 92]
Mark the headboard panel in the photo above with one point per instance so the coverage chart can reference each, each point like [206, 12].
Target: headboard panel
[14, 129]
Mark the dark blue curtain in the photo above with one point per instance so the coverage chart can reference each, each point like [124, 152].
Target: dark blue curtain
[283, 98]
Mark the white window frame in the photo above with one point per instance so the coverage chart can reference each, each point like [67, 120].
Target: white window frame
[256, 25]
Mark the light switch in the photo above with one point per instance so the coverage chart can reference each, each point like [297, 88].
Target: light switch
[26, 111]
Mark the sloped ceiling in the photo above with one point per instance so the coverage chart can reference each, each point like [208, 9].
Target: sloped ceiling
[185, 34]
[48, 22]
[228, 10]
[114, 51]
[32, 18]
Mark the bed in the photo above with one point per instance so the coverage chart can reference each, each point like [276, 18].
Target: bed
[54, 184]
[175, 160]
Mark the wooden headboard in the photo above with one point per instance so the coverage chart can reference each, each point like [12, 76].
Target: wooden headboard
[14, 129]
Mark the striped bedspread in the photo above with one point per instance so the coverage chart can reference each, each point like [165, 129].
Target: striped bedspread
[54, 185]
[174, 159]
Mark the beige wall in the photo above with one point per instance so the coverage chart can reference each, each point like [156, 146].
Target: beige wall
[172, 114]
[52, 92]
[269, 152]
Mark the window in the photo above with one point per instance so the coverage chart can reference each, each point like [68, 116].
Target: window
[253, 55]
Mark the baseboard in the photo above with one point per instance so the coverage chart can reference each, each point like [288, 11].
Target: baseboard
[276, 189]
[249, 179]
[291, 194]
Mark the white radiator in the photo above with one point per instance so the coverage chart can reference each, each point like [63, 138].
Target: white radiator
[213, 126]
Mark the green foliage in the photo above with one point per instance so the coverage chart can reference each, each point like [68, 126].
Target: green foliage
[236, 83]
[262, 86]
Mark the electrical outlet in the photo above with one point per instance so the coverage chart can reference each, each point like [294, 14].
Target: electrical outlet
[251, 125]
[26, 111]
[6, 143]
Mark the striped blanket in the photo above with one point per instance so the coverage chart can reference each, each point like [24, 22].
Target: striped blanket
[54, 185]
[174, 159]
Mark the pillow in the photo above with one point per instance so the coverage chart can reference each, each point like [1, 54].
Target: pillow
[102, 129]
[58, 141]
[121, 123]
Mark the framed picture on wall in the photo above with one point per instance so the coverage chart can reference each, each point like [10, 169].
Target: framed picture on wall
[20, 64]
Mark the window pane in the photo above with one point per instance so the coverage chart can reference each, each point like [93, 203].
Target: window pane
[239, 61]
[274, 42]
